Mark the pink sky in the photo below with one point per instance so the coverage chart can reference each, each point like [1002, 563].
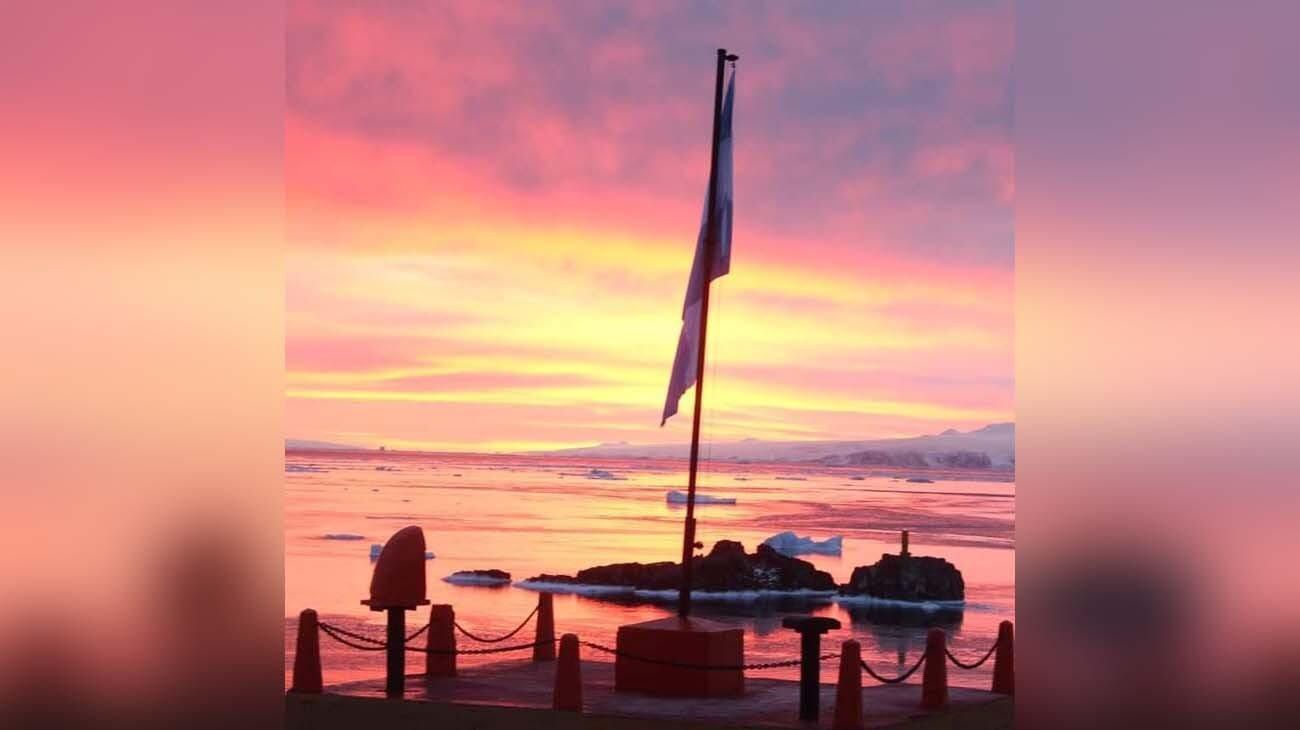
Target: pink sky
[492, 212]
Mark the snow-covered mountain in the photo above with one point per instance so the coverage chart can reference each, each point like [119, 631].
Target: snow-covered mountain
[951, 448]
[305, 445]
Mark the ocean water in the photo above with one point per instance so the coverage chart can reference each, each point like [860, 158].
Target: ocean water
[532, 515]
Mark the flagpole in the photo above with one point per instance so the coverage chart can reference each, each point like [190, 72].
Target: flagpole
[688, 536]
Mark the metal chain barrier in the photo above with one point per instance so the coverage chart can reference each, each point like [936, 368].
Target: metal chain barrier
[703, 667]
[365, 643]
[974, 665]
[417, 633]
[488, 650]
[367, 639]
[347, 638]
[497, 639]
[900, 678]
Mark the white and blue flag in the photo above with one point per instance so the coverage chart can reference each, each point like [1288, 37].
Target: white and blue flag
[684, 373]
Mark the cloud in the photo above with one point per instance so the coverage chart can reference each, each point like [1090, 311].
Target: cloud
[498, 205]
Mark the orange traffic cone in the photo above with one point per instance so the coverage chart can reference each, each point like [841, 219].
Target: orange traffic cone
[848, 693]
[1004, 660]
[568, 677]
[306, 658]
[544, 646]
[934, 680]
[440, 657]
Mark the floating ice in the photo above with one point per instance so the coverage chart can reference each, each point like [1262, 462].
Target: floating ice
[579, 588]
[788, 543]
[479, 578]
[376, 549]
[676, 497]
[343, 536]
[750, 596]
[308, 468]
[602, 474]
[926, 606]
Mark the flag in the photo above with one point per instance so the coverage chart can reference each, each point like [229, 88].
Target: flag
[688, 342]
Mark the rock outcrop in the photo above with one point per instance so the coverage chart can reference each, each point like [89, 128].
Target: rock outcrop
[489, 577]
[726, 568]
[907, 578]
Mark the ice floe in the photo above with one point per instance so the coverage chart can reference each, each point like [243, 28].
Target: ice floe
[749, 596]
[676, 497]
[303, 468]
[603, 474]
[376, 549]
[926, 606]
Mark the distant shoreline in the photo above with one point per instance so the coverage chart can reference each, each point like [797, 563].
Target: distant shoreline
[894, 472]
[987, 451]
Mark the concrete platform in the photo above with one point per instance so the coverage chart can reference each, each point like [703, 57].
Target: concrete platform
[517, 694]
[686, 641]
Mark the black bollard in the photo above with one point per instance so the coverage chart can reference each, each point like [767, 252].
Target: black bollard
[810, 630]
[395, 683]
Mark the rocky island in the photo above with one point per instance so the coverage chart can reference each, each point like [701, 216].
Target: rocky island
[727, 572]
[907, 578]
[490, 577]
[726, 569]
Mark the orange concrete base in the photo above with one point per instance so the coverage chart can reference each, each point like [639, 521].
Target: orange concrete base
[686, 641]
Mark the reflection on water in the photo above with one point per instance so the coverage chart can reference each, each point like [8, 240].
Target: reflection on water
[532, 515]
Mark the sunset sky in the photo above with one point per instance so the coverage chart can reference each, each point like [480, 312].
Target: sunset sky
[492, 209]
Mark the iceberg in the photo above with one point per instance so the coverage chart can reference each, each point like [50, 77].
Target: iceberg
[676, 497]
[788, 543]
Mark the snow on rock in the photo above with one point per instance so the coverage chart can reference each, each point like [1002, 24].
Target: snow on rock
[676, 497]
[788, 543]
